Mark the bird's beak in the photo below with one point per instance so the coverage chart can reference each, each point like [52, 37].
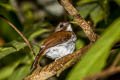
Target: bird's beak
[73, 22]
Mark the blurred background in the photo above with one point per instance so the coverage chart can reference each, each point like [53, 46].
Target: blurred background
[36, 19]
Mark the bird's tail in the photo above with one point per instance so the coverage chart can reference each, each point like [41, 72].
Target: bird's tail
[37, 58]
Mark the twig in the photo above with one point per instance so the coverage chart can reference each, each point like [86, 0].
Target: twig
[105, 73]
[25, 39]
[117, 59]
[81, 22]
[56, 66]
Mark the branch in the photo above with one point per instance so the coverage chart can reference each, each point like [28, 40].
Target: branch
[56, 66]
[117, 59]
[81, 22]
[105, 73]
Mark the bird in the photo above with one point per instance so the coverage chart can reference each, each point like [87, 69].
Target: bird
[58, 44]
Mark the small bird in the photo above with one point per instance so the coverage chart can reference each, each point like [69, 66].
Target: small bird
[58, 44]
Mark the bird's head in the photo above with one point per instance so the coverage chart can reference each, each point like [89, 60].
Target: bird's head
[64, 26]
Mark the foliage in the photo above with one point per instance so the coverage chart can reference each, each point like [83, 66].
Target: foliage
[96, 57]
[37, 20]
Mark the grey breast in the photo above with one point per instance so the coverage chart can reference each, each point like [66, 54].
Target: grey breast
[63, 49]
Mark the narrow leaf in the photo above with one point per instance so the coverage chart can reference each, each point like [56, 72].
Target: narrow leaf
[20, 73]
[8, 70]
[8, 50]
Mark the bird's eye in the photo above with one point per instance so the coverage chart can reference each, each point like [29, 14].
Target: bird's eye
[61, 25]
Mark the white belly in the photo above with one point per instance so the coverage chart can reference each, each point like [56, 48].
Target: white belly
[61, 49]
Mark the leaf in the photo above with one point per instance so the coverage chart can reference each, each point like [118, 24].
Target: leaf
[3, 1]
[8, 70]
[79, 44]
[1, 48]
[105, 7]
[117, 1]
[36, 48]
[37, 33]
[6, 51]
[86, 9]
[16, 47]
[95, 59]
[97, 14]
[81, 2]
[20, 73]
[6, 6]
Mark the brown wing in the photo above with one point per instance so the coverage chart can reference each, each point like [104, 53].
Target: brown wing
[57, 38]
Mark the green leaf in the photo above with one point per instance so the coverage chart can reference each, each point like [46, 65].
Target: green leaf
[6, 6]
[95, 59]
[3, 1]
[6, 51]
[20, 73]
[81, 2]
[1, 48]
[86, 9]
[105, 7]
[117, 1]
[16, 47]
[97, 14]
[37, 33]
[8, 70]
[79, 44]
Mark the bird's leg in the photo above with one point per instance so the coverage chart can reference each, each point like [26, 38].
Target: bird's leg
[57, 59]
[35, 63]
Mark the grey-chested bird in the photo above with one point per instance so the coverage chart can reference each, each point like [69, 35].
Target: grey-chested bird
[58, 44]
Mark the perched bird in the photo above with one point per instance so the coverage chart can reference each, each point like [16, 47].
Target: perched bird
[58, 44]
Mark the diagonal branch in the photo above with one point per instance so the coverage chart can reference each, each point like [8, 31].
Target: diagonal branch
[81, 22]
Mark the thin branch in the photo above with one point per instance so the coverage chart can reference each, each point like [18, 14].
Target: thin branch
[104, 73]
[56, 66]
[117, 59]
[25, 39]
[81, 22]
